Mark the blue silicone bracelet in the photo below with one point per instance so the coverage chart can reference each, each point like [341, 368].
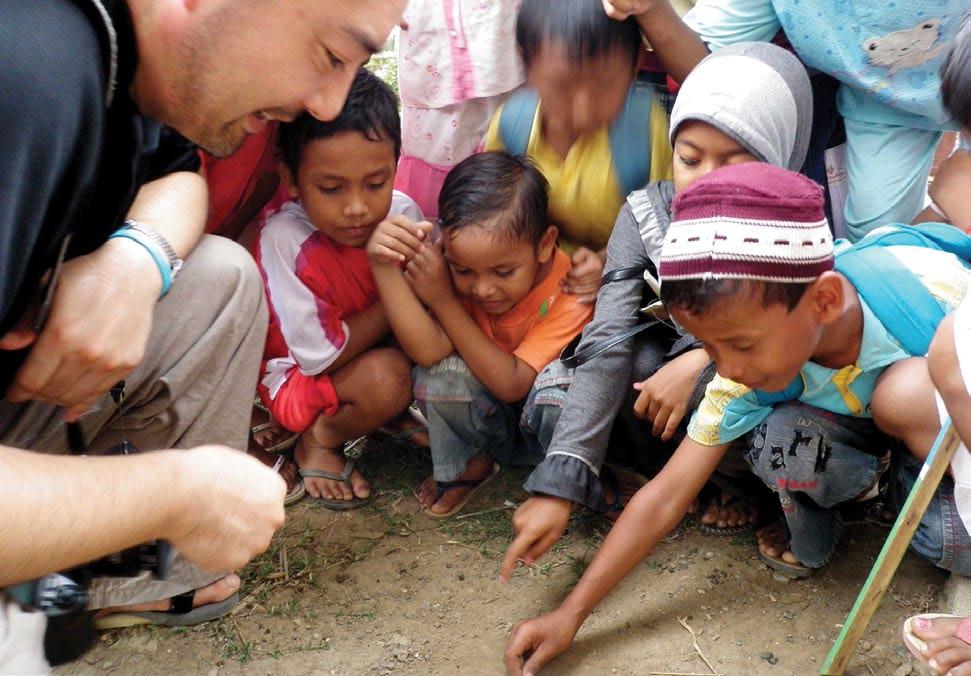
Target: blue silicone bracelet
[161, 261]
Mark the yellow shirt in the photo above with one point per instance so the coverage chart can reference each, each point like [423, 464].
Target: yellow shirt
[585, 193]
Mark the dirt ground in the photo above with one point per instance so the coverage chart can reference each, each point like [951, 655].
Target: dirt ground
[386, 589]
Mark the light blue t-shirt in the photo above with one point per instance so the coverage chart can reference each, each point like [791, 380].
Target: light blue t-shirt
[730, 410]
[887, 53]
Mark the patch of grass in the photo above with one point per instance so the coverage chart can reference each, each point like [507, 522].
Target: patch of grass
[237, 647]
[241, 651]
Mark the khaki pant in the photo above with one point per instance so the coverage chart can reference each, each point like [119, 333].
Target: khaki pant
[195, 386]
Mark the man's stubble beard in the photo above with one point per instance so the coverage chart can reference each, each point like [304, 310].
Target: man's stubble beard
[199, 125]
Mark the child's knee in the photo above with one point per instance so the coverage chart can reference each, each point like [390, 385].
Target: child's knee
[903, 403]
[449, 380]
[389, 379]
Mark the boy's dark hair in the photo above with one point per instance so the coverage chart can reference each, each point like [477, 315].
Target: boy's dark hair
[956, 76]
[371, 109]
[506, 192]
[581, 26]
[699, 296]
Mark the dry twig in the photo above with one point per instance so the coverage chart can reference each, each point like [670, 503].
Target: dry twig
[694, 641]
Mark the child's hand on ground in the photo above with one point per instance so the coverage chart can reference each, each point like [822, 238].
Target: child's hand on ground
[535, 642]
[949, 189]
[622, 9]
[663, 397]
[583, 280]
[397, 240]
[427, 273]
[539, 522]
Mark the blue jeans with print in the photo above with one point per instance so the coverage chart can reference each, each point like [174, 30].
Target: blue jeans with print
[941, 537]
[465, 419]
[814, 460]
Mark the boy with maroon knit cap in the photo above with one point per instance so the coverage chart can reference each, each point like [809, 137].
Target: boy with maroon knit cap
[748, 268]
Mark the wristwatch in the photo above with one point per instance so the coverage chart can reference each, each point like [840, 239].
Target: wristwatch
[175, 263]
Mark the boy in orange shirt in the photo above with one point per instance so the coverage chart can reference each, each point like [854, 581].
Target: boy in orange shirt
[482, 311]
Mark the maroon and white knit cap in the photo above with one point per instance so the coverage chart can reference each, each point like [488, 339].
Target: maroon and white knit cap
[748, 221]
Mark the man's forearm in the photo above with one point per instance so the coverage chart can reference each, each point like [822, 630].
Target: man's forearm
[60, 511]
[176, 207]
[678, 47]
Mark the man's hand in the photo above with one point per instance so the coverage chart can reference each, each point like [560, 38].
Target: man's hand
[949, 188]
[663, 397]
[583, 279]
[233, 504]
[397, 240]
[622, 9]
[427, 273]
[96, 333]
[539, 522]
[535, 642]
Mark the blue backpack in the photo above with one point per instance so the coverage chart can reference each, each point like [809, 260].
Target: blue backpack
[895, 294]
[630, 132]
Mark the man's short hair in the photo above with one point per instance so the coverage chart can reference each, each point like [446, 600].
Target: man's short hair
[581, 26]
[371, 109]
[505, 193]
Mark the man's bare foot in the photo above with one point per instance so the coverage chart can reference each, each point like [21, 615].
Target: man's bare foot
[945, 653]
[478, 468]
[730, 512]
[265, 432]
[330, 460]
[220, 590]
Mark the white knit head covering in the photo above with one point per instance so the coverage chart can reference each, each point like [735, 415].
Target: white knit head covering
[758, 94]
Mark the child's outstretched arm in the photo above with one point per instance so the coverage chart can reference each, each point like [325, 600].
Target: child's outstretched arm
[679, 48]
[506, 376]
[397, 240]
[652, 513]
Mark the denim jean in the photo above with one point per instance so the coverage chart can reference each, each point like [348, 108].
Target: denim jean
[941, 537]
[814, 460]
[465, 419]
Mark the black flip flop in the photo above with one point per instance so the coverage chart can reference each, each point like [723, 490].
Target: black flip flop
[475, 484]
[719, 531]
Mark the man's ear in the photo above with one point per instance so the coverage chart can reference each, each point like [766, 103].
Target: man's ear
[288, 179]
[828, 297]
[547, 244]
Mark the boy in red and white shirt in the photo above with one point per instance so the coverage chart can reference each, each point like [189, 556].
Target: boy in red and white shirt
[328, 370]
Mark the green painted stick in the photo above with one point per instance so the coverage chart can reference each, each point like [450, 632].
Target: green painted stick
[893, 552]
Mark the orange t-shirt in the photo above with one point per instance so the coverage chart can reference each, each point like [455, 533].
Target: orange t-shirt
[542, 323]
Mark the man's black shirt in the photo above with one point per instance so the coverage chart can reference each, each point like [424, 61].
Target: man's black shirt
[69, 163]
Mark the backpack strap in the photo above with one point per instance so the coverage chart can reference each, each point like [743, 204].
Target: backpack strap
[630, 138]
[516, 120]
[941, 236]
[895, 295]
